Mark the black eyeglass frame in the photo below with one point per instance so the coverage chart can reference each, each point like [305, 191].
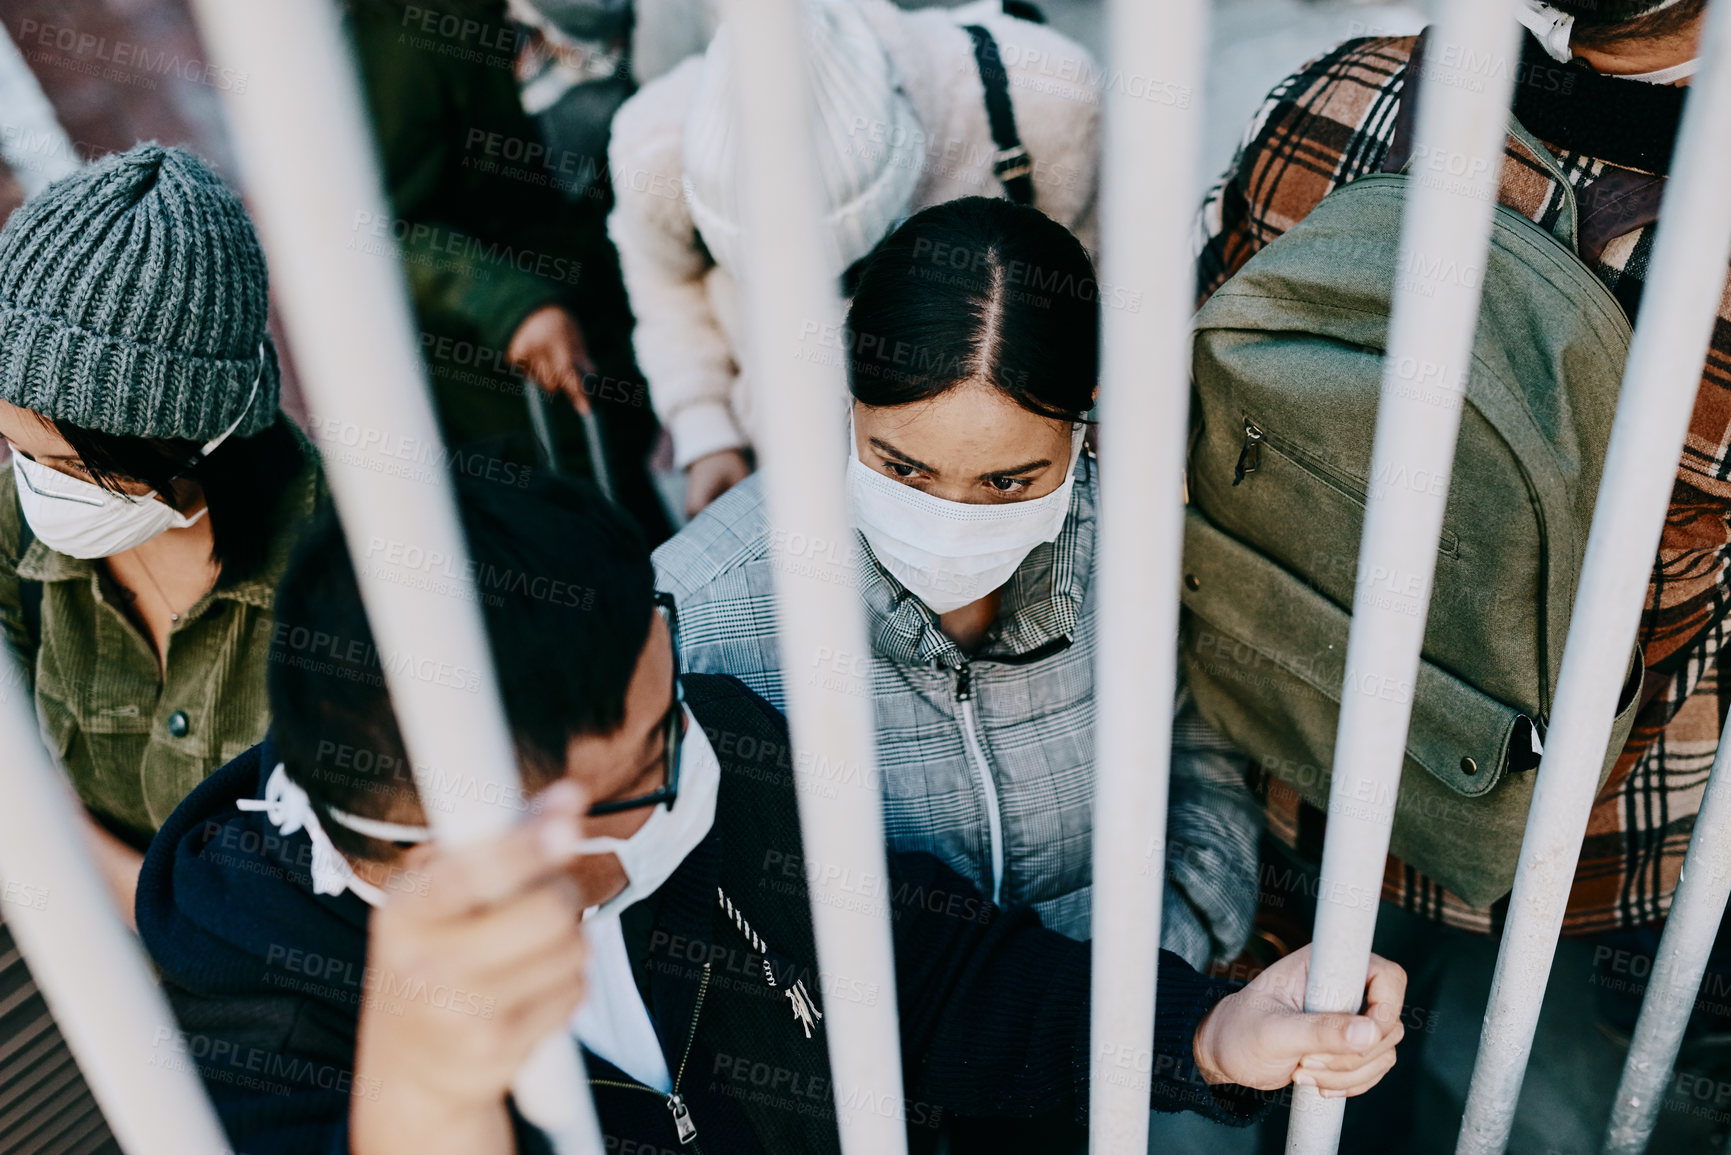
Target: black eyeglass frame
[674, 724]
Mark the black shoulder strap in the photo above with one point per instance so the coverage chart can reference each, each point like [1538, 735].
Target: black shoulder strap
[1406, 114]
[1617, 202]
[29, 590]
[1013, 167]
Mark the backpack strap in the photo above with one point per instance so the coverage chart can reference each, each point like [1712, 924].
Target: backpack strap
[1012, 167]
[1617, 201]
[1567, 227]
[1406, 115]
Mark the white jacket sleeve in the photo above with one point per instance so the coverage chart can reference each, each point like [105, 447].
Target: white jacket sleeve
[679, 343]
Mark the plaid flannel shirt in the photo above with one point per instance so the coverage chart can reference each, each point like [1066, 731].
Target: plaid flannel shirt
[1032, 690]
[1332, 122]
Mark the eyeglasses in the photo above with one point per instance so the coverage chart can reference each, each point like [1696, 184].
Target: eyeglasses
[673, 724]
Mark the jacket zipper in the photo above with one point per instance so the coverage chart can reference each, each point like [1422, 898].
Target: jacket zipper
[683, 1127]
[983, 770]
[1250, 459]
[682, 1124]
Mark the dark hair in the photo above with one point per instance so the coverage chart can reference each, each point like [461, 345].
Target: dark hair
[983, 290]
[1600, 23]
[566, 589]
[243, 480]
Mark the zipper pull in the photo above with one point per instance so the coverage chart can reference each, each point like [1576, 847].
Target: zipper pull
[682, 1124]
[803, 1009]
[965, 684]
[1250, 457]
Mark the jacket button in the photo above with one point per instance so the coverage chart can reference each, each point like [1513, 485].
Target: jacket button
[1192, 582]
[179, 725]
[1468, 766]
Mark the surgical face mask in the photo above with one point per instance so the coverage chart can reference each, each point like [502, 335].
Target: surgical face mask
[649, 857]
[949, 553]
[1553, 27]
[84, 520]
[81, 519]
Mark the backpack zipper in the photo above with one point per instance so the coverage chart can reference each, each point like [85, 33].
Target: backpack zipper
[683, 1127]
[1250, 457]
[982, 770]
[1349, 487]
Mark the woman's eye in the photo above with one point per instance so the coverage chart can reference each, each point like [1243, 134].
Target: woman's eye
[898, 469]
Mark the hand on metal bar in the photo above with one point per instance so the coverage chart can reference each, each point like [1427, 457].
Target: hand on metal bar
[1261, 1036]
[500, 920]
[550, 349]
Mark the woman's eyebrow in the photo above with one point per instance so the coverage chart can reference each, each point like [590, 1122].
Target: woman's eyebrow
[889, 450]
[1028, 468]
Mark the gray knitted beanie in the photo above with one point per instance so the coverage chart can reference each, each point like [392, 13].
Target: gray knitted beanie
[133, 302]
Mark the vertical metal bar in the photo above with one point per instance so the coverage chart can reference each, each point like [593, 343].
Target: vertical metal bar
[1463, 117]
[91, 971]
[1152, 151]
[1678, 313]
[1693, 924]
[792, 303]
[35, 146]
[315, 189]
[535, 404]
[598, 464]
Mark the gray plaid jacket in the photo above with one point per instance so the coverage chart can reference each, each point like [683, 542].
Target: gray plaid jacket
[1031, 684]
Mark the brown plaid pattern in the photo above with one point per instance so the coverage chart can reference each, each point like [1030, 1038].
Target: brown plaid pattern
[1332, 122]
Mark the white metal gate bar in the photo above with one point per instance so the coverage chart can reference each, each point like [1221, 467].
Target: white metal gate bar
[1692, 925]
[91, 970]
[1457, 161]
[313, 183]
[1151, 153]
[1678, 312]
[794, 314]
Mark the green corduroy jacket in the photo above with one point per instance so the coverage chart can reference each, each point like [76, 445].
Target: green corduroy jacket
[133, 740]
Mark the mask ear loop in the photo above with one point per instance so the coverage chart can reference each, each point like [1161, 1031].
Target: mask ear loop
[398, 832]
[209, 447]
[1554, 27]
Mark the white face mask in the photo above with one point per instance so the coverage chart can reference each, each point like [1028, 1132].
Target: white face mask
[81, 519]
[949, 553]
[649, 857]
[659, 847]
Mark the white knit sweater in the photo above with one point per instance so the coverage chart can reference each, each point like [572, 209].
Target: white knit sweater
[688, 311]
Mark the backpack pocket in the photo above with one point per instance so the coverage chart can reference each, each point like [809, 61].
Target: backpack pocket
[1265, 655]
[1259, 441]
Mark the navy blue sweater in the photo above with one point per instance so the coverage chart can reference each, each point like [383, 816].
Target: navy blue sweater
[268, 978]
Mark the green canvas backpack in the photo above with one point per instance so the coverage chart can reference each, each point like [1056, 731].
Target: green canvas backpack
[1288, 363]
